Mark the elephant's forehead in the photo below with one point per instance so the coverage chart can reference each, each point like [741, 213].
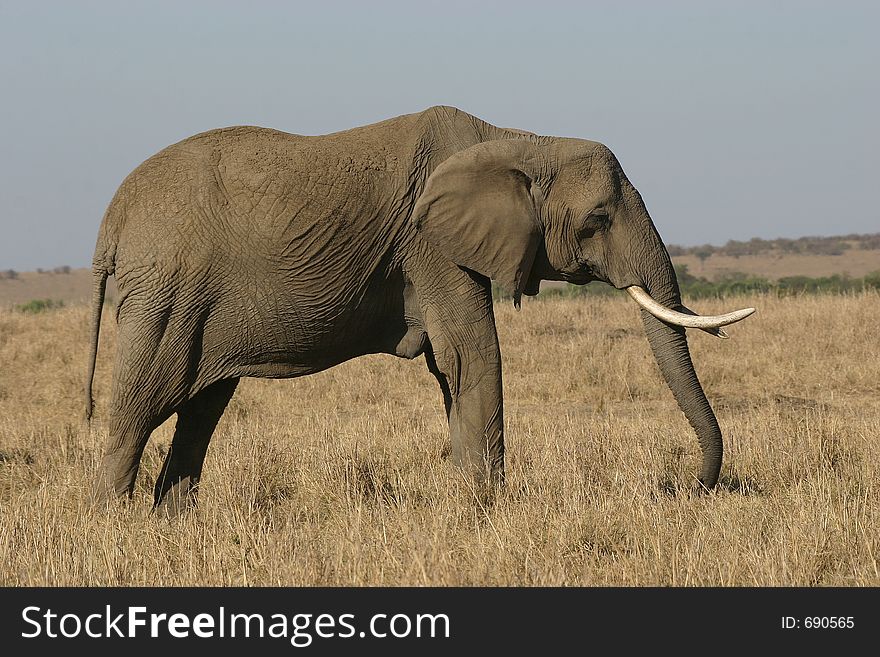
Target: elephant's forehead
[588, 181]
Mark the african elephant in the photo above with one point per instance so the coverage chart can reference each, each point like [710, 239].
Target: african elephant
[246, 251]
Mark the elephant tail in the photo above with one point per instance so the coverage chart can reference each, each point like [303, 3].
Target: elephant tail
[99, 286]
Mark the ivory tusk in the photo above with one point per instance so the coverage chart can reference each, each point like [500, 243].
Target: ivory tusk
[710, 323]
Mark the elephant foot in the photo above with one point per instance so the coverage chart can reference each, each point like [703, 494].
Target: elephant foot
[485, 485]
[104, 497]
[701, 488]
[111, 488]
[175, 500]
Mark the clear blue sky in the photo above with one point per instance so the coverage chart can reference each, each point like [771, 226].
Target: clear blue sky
[734, 119]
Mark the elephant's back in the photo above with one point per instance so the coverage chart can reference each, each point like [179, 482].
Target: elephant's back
[223, 177]
[275, 195]
[235, 171]
[254, 200]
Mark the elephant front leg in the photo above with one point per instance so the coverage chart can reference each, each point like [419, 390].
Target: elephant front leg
[469, 375]
[477, 432]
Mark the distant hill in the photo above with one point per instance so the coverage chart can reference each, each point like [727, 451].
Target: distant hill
[71, 286]
[846, 255]
[849, 255]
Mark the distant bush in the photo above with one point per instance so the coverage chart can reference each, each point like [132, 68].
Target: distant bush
[739, 283]
[570, 290]
[826, 284]
[869, 241]
[65, 269]
[704, 252]
[813, 246]
[9, 275]
[566, 291]
[39, 305]
[735, 248]
[499, 293]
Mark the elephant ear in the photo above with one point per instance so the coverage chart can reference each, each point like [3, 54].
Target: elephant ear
[480, 209]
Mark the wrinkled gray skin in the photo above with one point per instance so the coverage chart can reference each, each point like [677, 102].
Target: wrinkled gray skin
[251, 252]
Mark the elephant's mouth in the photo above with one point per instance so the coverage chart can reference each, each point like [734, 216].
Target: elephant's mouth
[581, 279]
[582, 274]
[709, 323]
[533, 285]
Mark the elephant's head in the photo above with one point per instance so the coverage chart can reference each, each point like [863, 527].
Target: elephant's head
[525, 209]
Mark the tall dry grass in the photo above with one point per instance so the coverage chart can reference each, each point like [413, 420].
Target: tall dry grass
[342, 478]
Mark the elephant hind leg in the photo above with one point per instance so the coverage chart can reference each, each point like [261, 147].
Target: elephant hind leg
[196, 420]
[122, 456]
[140, 402]
[152, 378]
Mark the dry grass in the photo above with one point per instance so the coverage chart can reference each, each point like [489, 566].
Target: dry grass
[342, 478]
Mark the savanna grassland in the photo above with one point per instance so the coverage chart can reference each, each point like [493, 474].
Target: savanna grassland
[343, 478]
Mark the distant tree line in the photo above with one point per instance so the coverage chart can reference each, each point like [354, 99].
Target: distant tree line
[11, 274]
[803, 245]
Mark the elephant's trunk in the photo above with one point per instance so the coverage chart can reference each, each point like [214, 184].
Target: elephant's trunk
[670, 347]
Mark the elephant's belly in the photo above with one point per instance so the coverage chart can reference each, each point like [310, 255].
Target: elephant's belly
[281, 337]
[281, 370]
[286, 358]
[286, 354]
[408, 342]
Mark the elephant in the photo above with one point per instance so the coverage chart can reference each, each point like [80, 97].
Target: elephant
[250, 252]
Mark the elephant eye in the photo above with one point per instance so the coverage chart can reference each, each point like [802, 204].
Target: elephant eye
[597, 220]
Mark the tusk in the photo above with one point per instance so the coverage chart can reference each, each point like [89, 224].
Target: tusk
[717, 332]
[709, 323]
